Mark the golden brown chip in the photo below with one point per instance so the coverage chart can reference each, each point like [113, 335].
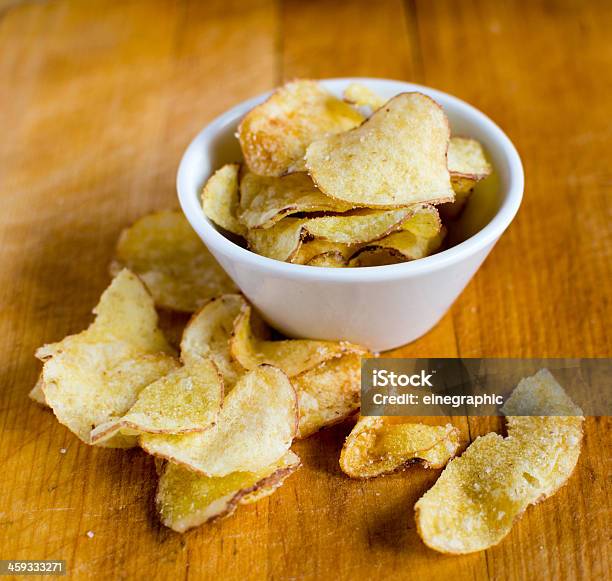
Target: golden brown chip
[293, 356]
[381, 445]
[554, 441]
[186, 499]
[359, 226]
[281, 242]
[208, 335]
[328, 394]
[274, 135]
[266, 200]
[362, 96]
[479, 495]
[421, 235]
[284, 240]
[186, 400]
[328, 260]
[467, 165]
[255, 428]
[97, 375]
[220, 199]
[165, 252]
[396, 158]
[312, 249]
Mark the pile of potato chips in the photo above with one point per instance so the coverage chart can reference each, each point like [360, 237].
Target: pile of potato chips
[220, 413]
[344, 183]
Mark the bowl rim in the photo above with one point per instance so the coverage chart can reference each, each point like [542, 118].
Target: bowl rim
[192, 209]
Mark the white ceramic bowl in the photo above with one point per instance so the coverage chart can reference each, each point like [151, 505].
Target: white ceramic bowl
[381, 307]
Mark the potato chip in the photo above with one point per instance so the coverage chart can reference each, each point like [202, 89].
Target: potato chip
[358, 227]
[275, 134]
[164, 251]
[255, 428]
[266, 200]
[313, 249]
[97, 375]
[328, 394]
[421, 235]
[186, 400]
[37, 394]
[362, 96]
[208, 335]
[396, 158]
[328, 260]
[382, 445]
[281, 242]
[293, 356]
[554, 441]
[479, 495]
[186, 499]
[220, 199]
[467, 163]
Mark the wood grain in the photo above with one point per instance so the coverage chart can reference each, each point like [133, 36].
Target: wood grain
[98, 101]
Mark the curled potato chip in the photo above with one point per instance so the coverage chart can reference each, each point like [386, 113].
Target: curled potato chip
[467, 163]
[94, 376]
[479, 495]
[542, 394]
[420, 235]
[293, 356]
[265, 200]
[358, 227]
[328, 394]
[220, 199]
[281, 242]
[396, 158]
[37, 394]
[381, 445]
[255, 428]
[186, 499]
[165, 252]
[188, 399]
[362, 96]
[328, 260]
[208, 335]
[275, 134]
[311, 250]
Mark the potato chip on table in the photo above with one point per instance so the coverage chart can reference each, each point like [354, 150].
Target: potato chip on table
[208, 333]
[274, 135]
[476, 500]
[97, 375]
[165, 252]
[186, 400]
[255, 428]
[381, 445]
[328, 394]
[293, 356]
[186, 499]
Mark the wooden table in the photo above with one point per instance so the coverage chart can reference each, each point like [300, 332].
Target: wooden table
[98, 100]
